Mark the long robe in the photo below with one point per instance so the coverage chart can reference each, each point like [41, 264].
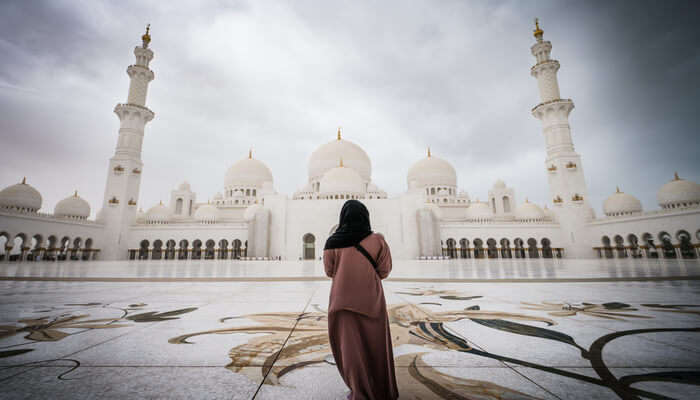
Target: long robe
[358, 324]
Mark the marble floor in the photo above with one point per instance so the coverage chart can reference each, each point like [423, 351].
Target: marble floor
[461, 329]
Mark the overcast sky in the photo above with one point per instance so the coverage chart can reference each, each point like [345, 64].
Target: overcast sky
[280, 77]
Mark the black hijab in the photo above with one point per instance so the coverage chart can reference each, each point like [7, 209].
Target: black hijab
[352, 228]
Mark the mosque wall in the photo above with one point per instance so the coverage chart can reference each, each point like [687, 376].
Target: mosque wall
[636, 229]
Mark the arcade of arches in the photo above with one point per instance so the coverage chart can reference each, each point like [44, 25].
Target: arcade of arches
[23, 247]
[184, 250]
[663, 245]
[490, 248]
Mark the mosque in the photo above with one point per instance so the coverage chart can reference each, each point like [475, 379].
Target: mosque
[432, 219]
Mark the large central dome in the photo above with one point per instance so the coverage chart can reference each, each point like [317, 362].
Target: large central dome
[326, 158]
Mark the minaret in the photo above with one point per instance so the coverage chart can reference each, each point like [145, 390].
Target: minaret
[125, 167]
[567, 186]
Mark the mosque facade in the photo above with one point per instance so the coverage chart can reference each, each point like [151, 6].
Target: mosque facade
[432, 219]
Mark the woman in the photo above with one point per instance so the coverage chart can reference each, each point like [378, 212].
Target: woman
[358, 324]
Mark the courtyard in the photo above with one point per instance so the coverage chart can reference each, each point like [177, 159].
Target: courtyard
[483, 329]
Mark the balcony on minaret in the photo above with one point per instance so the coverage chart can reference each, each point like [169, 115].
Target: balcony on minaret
[552, 169]
[571, 166]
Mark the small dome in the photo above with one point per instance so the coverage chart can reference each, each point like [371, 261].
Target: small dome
[206, 213]
[620, 203]
[431, 171]
[326, 158]
[478, 211]
[341, 180]
[499, 184]
[158, 214]
[72, 207]
[247, 172]
[250, 212]
[679, 193]
[529, 212]
[184, 186]
[21, 196]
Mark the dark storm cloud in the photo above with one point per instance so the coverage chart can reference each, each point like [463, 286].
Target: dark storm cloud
[398, 76]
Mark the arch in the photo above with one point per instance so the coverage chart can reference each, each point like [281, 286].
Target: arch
[634, 245]
[50, 253]
[197, 249]
[506, 204]
[451, 248]
[546, 248]
[77, 242]
[519, 248]
[648, 239]
[183, 249]
[178, 206]
[223, 249]
[492, 248]
[88, 251]
[478, 248]
[685, 244]
[607, 248]
[5, 245]
[505, 249]
[464, 248]
[143, 250]
[532, 248]
[36, 248]
[309, 243]
[19, 245]
[669, 251]
[493, 204]
[170, 249]
[236, 249]
[63, 248]
[209, 252]
[157, 252]
[620, 246]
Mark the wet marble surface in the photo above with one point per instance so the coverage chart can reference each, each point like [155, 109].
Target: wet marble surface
[490, 338]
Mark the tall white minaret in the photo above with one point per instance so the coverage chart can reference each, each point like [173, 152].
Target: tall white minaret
[125, 167]
[567, 185]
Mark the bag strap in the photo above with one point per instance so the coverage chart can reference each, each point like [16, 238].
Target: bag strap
[366, 254]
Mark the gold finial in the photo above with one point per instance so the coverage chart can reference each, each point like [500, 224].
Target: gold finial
[341, 162]
[429, 155]
[526, 200]
[618, 189]
[146, 38]
[537, 33]
[76, 193]
[250, 153]
[24, 180]
[339, 129]
[160, 202]
[675, 177]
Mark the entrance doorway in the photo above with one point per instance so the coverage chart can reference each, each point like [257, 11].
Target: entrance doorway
[309, 246]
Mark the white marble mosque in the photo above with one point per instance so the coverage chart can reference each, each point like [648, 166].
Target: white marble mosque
[432, 219]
